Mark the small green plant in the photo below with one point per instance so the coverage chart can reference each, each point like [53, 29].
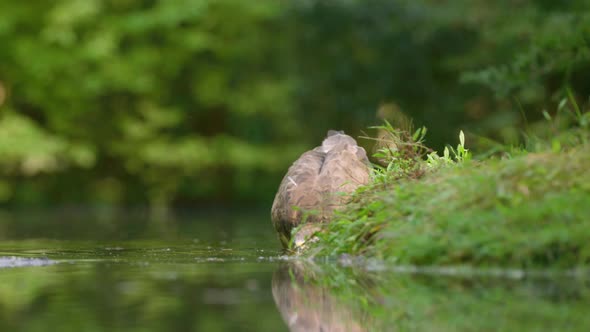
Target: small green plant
[567, 126]
[397, 168]
[459, 155]
[391, 142]
[401, 154]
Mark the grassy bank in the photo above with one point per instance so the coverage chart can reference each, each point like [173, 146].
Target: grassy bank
[525, 210]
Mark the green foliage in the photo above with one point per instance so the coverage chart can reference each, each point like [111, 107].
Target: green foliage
[29, 150]
[166, 102]
[528, 210]
[406, 157]
[157, 95]
[555, 46]
[459, 155]
[399, 152]
[525, 212]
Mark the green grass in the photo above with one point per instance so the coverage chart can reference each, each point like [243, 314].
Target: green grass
[528, 210]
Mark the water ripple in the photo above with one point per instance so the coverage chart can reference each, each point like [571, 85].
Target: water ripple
[13, 261]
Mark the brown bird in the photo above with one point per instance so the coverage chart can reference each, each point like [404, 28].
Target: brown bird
[319, 182]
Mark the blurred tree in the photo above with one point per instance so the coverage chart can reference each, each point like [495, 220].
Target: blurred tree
[174, 102]
[153, 94]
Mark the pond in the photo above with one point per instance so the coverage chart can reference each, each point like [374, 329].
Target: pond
[76, 271]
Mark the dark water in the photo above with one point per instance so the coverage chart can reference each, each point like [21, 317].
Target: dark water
[225, 272]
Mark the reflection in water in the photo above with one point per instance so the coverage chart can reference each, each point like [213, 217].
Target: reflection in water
[216, 275]
[202, 273]
[328, 297]
[307, 306]
[143, 290]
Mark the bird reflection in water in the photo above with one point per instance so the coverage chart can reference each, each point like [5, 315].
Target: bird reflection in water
[307, 305]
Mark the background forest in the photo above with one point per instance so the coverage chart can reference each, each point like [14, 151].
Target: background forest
[186, 103]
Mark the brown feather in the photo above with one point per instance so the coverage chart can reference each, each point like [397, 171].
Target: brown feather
[318, 183]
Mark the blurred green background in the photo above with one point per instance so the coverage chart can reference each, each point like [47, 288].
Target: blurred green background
[182, 103]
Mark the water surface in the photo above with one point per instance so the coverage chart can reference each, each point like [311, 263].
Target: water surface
[71, 271]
